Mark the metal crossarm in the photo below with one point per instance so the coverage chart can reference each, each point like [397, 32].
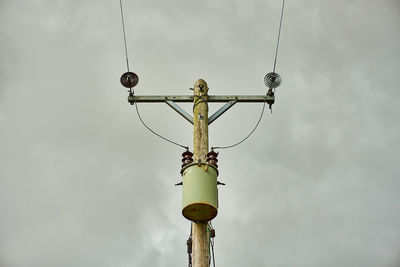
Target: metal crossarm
[211, 98]
[230, 100]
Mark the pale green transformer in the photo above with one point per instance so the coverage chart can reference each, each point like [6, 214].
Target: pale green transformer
[199, 192]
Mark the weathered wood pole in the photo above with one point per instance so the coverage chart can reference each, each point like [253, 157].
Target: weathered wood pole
[200, 245]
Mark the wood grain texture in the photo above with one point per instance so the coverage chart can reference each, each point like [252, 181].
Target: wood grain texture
[200, 248]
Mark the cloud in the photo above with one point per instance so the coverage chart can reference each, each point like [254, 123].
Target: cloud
[82, 183]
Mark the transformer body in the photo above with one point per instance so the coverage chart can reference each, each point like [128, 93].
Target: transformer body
[199, 192]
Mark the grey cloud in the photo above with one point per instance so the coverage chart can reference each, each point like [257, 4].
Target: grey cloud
[82, 183]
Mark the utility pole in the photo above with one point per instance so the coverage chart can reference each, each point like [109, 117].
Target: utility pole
[200, 241]
[199, 174]
[200, 194]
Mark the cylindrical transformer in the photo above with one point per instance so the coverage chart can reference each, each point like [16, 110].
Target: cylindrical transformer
[199, 192]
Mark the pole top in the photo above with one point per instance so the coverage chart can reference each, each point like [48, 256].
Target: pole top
[200, 87]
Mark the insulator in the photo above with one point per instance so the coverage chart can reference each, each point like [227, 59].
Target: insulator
[272, 80]
[187, 153]
[129, 79]
[187, 158]
[186, 162]
[212, 154]
[212, 158]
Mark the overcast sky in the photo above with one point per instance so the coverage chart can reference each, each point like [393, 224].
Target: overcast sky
[83, 183]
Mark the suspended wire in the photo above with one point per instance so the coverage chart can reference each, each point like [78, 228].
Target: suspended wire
[135, 103]
[155, 133]
[252, 131]
[212, 251]
[262, 111]
[210, 229]
[212, 246]
[123, 31]
[279, 34]
[189, 246]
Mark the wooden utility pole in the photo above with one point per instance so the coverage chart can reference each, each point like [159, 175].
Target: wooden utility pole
[200, 121]
[200, 240]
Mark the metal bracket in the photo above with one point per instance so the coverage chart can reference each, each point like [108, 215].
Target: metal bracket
[230, 100]
[181, 112]
[221, 111]
[211, 98]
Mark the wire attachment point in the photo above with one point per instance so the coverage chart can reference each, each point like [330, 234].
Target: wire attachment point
[272, 80]
[129, 79]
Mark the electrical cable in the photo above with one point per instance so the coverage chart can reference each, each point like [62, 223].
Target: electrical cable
[155, 133]
[212, 251]
[262, 111]
[135, 103]
[123, 31]
[279, 35]
[211, 244]
[189, 246]
[244, 139]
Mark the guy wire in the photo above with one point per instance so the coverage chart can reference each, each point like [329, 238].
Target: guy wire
[123, 31]
[279, 34]
[252, 131]
[155, 133]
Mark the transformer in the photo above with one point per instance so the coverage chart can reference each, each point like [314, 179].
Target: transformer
[199, 192]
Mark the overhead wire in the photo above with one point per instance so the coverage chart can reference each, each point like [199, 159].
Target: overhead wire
[244, 139]
[154, 132]
[263, 108]
[279, 35]
[130, 90]
[212, 244]
[124, 34]
[189, 247]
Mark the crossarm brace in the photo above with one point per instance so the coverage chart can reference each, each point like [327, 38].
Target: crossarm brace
[178, 109]
[230, 100]
[221, 111]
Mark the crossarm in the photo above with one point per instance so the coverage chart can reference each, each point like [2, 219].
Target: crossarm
[211, 98]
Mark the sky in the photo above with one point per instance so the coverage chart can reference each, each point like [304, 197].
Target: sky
[83, 183]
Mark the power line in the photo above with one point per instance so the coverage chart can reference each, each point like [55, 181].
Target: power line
[244, 139]
[130, 90]
[278, 82]
[154, 132]
[212, 236]
[189, 244]
[123, 31]
[279, 35]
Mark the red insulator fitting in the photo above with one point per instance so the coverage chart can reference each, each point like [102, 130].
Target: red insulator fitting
[187, 158]
[212, 158]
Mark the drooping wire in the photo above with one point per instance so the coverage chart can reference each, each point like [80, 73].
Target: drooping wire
[189, 247]
[123, 31]
[212, 251]
[155, 133]
[262, 111]
[211, 243]
[279, 35]
[244, 139]
[131, 93]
